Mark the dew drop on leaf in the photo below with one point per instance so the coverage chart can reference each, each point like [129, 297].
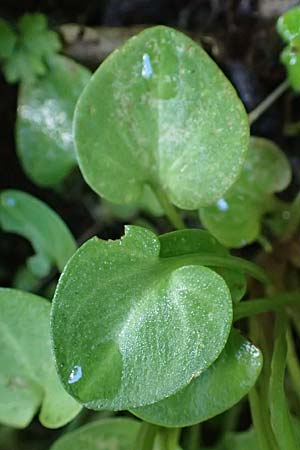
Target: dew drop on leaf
[75, 375]
[222, 204]
[147, 71]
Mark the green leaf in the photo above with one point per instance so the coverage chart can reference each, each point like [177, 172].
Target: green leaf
[108, 434]
[131, 327]
[44, 122]
[160, 112]
[7, 39]
[280, 417]
[25, 280]
[34, 45]
[147, 203]
[36, 37]
[245, 440]
[235, 219]
[288, 25]
[23, 67]
[220, 387]
[290, 57]
[199, 241]
[52, 241]
[28, 378]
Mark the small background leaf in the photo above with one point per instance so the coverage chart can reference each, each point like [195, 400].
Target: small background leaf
[235, 219]
[288, 26]
[33, 45]
[27, 375]
[44, 121]
[51, 239]
[109, 434]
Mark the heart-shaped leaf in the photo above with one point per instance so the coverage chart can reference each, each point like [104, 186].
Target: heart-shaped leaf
[160, 112]
[44, 121]
[131, 327]
[235, 219]
[221, 386]
[108, 434]
[51, 239]
[28, 377]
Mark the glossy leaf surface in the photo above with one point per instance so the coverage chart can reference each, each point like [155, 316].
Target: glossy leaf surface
[52, 241]
[218, 388]
[131, 327]
[235, 219]
[159, 111]
[288, 26]
[44, 121]
[28, 378]
[108, 434]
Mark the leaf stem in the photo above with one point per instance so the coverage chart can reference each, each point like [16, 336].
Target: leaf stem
[168, 208]
[261, 305]
[194, 437]
[293, 363]
[171, 436]
[268, 101]
[146, 437]
[230, 262]
[280, 415]
[258, 420]
[294, 220]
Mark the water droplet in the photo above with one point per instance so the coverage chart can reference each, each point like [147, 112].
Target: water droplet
[147, 71]
[222, 204]
[10, 201]
[75, 375]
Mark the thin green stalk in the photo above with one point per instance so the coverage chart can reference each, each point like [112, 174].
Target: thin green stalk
[230, 262]
[294, 220]
[169, 209]
[258, 420]
[146, 437]
[168, 438]
[268, 101]
[280, 415]
[194, 435]
[257, 331]
[293, 365]
[261, 305]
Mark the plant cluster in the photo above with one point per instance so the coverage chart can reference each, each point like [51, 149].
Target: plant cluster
[164, 326]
